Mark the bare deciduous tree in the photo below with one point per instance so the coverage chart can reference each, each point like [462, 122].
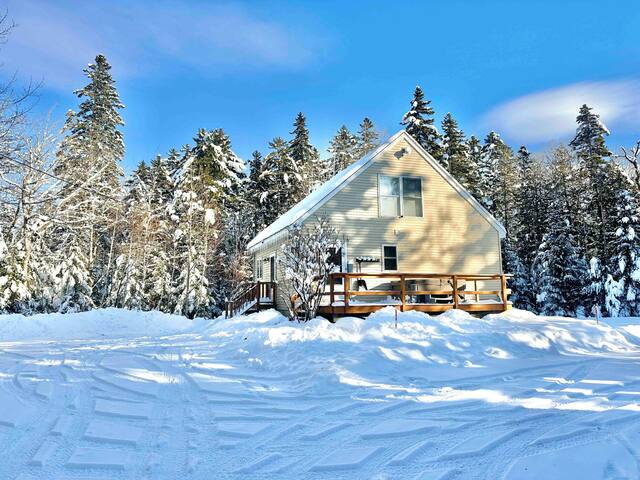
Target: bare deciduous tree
[632, 156]
[305, 261]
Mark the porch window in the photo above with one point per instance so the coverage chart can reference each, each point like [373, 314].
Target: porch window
[400, 196]
[258, 269]
[389, 257]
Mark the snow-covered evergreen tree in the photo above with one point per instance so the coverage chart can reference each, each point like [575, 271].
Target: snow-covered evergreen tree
[419, 123]
[73, 282]
[495, 156]
[622, 285]
[88, 161]
[282, 181]
[256, 191]
[592, 152]
[521, 282]
[561, 269]
[14, 290]
[367, 137]
[304, 155]
[474, 159]
[455, 152]
[343, 151]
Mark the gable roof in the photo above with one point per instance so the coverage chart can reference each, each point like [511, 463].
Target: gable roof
[308, 205]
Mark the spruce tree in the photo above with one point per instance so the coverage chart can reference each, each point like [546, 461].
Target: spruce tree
[474, 159]
[419, 123]
[592, 152]
[282, 181]
[88, 161]
[257, 191]
[73, 283]
[367, 138]
[561, 267]
[495, 154]
[343, 149]
[303, 154]
[455, 151]
[622, 284]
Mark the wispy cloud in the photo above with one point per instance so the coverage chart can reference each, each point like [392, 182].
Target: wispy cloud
[550, 114]
[54, 40]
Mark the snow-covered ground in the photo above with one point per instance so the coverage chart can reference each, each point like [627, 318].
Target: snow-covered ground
[129, 395]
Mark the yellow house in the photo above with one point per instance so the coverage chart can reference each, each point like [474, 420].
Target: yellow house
[411, 236]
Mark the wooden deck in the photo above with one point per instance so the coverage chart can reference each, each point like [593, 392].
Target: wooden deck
[406, 292]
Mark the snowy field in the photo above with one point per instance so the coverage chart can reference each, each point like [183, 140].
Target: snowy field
[114, 395]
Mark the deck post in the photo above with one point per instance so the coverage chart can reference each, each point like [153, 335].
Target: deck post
[331, 290]
[258, 288]
[503, 288]
[402, 292]
[273, 294]
[455, 291]
[346, 290]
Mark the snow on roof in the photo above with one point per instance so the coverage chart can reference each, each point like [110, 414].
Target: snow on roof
[307, 205]
[315, 199]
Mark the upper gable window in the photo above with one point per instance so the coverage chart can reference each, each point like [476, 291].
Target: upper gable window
[400, 196]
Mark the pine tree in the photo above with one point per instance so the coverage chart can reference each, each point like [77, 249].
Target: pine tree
[281, 179]
[561, 267]
[14, 291]
[455, 151]
[195, 234]
[303, 154]
[73, 283]
[88, 162]
[256, 191]
[591, 150]
[419, 123]
[495, 156]
[521, 282]
[367, 138]
[343, 150]
[474, 159]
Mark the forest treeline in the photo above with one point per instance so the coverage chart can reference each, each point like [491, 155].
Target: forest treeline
[77, 233]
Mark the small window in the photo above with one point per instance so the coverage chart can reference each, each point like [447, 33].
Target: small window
[389, 257]
[400, 196]
[258, 269]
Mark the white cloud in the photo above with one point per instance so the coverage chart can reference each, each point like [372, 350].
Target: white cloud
[55, 40]
[551, 114]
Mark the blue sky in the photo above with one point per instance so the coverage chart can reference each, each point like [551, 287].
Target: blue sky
[521, 68]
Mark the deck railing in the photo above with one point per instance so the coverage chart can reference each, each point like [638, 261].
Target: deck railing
[405, 292]
[258, 293]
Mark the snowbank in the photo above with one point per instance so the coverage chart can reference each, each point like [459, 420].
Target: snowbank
[435, 347]
[108, 322]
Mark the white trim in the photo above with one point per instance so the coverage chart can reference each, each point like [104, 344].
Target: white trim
[357, 169]
[382, 257]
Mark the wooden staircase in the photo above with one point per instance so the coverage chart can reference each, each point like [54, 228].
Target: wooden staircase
[257, 296]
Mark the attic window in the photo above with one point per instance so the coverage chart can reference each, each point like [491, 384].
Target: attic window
[399, 196]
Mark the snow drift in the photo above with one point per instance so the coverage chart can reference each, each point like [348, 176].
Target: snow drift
[107, 322]
[419, 346]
